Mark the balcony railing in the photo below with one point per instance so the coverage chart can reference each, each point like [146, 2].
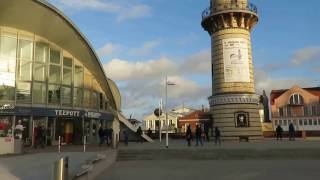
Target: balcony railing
[229, 6]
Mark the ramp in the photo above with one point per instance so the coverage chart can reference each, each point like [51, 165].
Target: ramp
[132, 127]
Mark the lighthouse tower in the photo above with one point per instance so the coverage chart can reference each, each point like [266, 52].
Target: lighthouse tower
[233, 104]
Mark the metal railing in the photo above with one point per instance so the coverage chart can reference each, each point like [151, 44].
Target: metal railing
[229, 6]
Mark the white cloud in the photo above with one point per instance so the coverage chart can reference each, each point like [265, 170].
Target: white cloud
[118, 69]
[198, 63]
[105, 6]
[145, 49]
[125, 10]
[304, 55]
[108, 49]
[142, 83]
[264, 81]
[135, 12]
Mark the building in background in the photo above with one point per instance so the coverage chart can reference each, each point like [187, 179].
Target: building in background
[300, 106]
[51, 77]
[153, 122]
[193, 119]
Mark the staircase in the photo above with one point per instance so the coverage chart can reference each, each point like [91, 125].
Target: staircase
[132, 127]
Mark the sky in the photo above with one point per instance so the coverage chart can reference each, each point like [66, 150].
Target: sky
[141, 41]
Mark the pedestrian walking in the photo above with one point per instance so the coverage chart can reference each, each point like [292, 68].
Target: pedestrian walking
[101, 135]
[110, 136]
[106, 136]
[206, 132]
[291, 132]
[217, 134]
[189, 135]
[279, 131]
[149, 133]
[199, 136]
[139, 134]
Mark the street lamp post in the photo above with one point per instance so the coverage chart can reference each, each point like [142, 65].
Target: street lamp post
[165, 109]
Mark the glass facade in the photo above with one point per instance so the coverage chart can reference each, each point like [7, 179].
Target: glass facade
[36, 71]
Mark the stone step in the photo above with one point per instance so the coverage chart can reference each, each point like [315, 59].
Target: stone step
[217, 154]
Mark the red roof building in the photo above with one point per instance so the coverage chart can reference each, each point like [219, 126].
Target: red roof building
[300, 106]
[193, 119]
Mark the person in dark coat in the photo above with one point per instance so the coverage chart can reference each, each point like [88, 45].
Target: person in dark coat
[106, 135]
[291, 132]
[198, 135]
[217, 134]
[189, 135]
[110, 136]
[206, 132]
[279, 131]
[149, 132]
[139, 134]
[101, 135]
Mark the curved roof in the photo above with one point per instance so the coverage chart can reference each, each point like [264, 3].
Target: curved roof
[116, 93]
[43, 19]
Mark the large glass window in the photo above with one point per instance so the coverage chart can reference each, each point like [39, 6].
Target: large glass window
[25, 49]
[55, 74]
[54, 56]
[8, 47]
[86, 98]
[25, 70]
[39, 93]
[39, 72]
[66, 96]
[78, 76]
[67, 71]
[77, 97]
[94, 100]
[23, 92]
[87, 81]
[6, 92]
[6, 126]
[41, 52]
[7, 67]
[54, 94]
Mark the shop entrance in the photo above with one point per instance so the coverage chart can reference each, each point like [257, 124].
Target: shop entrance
[69, 130]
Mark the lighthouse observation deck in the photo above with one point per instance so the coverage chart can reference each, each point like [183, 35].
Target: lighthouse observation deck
[230, 7]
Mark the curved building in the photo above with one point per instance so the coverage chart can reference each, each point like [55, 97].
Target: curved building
[50, 76]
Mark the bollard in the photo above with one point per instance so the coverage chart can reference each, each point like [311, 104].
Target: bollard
[60, 171]
[84, 143]
[59, 145]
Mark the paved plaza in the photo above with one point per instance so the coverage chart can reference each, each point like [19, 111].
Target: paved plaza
[37, 164]
[269, 159]
[219, 170]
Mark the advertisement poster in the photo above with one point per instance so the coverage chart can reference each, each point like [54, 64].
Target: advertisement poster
[236, 61]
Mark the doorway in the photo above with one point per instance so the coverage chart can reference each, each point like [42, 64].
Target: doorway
[69, 130]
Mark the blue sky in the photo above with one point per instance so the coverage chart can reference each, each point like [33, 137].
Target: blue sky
[139, 41]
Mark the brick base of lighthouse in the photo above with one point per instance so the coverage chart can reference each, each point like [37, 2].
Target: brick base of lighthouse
[228, 118]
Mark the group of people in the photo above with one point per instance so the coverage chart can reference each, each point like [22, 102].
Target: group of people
[201, 135]
[279, 132]
[105, 135]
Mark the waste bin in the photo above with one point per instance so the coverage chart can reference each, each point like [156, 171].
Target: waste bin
[60, 171]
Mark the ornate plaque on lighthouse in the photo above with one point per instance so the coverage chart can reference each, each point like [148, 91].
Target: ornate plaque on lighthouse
[234, 105]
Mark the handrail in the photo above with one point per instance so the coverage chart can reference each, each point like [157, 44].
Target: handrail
[229, 6]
